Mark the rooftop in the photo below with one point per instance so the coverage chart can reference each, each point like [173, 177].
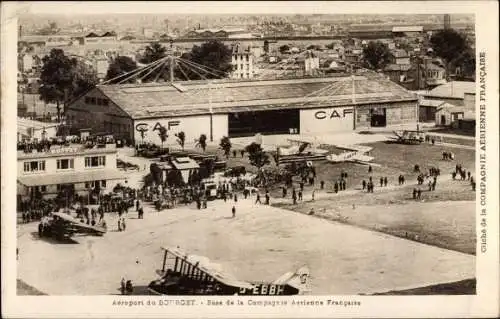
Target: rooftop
[73, 150]
[223, 96]
[454, 89]
[399, 53]
[25, 124]
[408, 29]
[433, 103]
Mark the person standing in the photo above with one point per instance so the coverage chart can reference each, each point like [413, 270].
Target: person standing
[300, 195]
[336, 187]
[363, 184]
[257, 200]
[381, 181]
[235, 197]
[344, 184]
[267, 198]
[385, 181]
[294, 197]
[233, 210]
[122, 286]
[322, 185]
[312, 194]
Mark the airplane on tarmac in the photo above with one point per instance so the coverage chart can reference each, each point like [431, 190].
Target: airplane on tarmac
[352, 153]
[197, 275]
[62, 225]
[408, 137]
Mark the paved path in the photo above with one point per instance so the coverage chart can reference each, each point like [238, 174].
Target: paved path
[463, 137]
[261, 243]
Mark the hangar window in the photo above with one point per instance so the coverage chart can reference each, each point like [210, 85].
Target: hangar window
[87, 100]
[105, 102]
[93, 100]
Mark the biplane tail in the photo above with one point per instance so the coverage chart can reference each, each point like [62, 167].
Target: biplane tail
[300, 279]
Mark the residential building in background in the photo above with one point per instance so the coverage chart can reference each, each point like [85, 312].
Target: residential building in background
[243, 63]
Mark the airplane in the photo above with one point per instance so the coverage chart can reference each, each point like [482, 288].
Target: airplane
[196, 275]
[63, 225]
[408, 137]
[353, 153]
[299, 151]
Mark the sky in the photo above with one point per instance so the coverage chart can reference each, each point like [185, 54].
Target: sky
[241, 7]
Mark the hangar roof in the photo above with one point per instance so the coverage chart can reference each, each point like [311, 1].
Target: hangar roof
[224, 96]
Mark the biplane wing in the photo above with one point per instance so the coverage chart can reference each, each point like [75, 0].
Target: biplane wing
[206, 267]
[78, 225]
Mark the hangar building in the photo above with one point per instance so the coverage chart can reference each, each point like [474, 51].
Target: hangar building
[242, 108]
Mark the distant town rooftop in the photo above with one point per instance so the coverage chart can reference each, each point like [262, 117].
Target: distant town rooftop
[408, 29]
[225, 96]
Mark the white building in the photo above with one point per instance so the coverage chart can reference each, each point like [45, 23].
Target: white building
[448, 114]
[311, 62]
[72, 169]
[101, 66]
[35, 130]
[242, 62]
[27, 62]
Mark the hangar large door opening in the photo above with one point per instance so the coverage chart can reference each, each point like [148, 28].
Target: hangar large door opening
[378, 117]
[263, 122]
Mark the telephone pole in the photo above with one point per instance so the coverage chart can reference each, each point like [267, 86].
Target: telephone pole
[171, 57]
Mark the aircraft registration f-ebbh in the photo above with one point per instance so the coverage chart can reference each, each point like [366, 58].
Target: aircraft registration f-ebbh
[64, 225]
[196, 275]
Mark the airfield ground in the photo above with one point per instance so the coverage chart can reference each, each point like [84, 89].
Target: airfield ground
[386, 242]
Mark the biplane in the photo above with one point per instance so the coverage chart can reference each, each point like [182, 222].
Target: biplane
[299, 151]
[196, 275]
[62, 225]
[352, 153]
[409, 137]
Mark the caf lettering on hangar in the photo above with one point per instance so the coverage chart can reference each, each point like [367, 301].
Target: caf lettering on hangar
[144, 126]
[320, 115]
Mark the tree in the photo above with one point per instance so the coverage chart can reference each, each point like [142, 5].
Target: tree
[63, 79]
[225, 144]
[181, 139]
[376, 55]
[154, 52]
[120, 66]
[202, 142]
[163, 133]
[213, 54]
[143, 135]
[257, 156]
[451, 45]
[157, 173]
[284, 48]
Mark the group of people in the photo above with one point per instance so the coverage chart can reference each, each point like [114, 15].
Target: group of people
[463, 174]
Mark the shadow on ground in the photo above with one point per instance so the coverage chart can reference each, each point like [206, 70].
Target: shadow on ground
[463, 287]
[64, 241]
